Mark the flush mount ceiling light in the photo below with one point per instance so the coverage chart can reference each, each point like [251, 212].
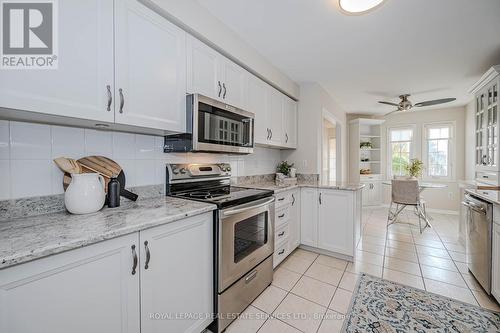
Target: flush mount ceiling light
[358, 7]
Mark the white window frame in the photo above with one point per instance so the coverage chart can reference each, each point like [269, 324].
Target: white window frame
[413, 146]
[451, 150]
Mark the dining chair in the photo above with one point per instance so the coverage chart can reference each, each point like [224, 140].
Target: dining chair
[405, 193]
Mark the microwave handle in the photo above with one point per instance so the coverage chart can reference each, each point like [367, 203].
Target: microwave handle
[258, 204]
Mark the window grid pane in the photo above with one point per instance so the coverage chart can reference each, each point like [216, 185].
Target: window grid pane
[401, 140]
[438, 143]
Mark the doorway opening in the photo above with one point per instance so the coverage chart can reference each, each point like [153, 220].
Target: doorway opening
[330, 170]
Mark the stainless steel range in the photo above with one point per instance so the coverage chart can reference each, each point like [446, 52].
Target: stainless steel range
[244, 229]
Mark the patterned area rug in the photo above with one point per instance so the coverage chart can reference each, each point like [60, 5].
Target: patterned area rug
[384, 306]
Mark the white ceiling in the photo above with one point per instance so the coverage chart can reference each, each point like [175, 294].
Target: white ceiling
[429, 48]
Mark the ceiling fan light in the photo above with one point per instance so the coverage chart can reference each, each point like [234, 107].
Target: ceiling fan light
[357, 7]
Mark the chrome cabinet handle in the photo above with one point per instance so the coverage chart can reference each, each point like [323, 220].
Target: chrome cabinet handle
[271, 133]
[122, 100]
[220, 89]
[281, 252]
[281, 234]
[281, 199]
[268, 133]
[148, 255]
[225, 91]
[286, 134]
[293, 199]
[110, 97]
[281, 216]
[320, 202]
[134, 254]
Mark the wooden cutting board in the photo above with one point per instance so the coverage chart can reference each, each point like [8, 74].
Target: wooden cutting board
[99, 164]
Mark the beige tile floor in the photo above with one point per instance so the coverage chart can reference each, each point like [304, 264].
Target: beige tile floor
[312, 293]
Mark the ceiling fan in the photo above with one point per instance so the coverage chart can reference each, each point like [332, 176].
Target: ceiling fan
[406, 105]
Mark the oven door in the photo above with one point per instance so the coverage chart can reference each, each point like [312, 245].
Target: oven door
[246, 238]
[221, 127]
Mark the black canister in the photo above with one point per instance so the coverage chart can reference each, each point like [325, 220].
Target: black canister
[113, 192]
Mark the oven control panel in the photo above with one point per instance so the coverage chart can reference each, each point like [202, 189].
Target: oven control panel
[187, 171]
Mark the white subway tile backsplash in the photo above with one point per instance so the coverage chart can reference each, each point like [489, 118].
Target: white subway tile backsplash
[68, 142]
[4, 140]
[123, 145]
[27, 150]
[30, 178]
[144, 147]
[98, 142]
[30, 141]
[145, 172]
[4, 179]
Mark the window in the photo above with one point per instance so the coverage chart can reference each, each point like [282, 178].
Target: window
[400, 148]
[438, 145]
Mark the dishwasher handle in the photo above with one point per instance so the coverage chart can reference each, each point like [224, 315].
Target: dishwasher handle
[474, 207]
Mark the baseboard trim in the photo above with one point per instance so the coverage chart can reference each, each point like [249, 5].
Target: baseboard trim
[326, 252]
[430, 210]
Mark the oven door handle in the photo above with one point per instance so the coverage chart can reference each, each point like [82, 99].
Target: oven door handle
[256, 204]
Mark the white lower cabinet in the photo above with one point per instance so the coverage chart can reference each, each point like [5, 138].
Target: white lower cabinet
[179, 277]
[94, 288]
[91, 289]
[495, 271]
[287, 225]
[330, 220]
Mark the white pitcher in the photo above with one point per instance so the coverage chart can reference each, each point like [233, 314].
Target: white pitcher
[85, 194]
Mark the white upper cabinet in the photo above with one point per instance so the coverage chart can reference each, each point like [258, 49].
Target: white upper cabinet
[257, 104]
[82, 85]
[275, 102]
[234, 90]
[289, 134]
[150, 73]
[202, 69]
[91, 289]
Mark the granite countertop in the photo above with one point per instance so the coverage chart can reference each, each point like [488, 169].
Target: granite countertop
[29, 238]
[325, 185]
[492, 196]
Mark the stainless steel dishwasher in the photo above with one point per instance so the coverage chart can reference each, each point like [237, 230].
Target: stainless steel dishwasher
[478, 241]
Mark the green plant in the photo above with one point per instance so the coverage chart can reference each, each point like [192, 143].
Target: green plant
[284, 167]
[365, 145]
[415, 168]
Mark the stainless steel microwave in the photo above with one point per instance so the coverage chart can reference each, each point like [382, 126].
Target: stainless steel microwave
[213, 126]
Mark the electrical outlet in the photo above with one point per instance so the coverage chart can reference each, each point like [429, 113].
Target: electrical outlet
[450, 195]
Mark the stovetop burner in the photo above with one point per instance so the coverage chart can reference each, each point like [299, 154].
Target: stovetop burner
[211, 187]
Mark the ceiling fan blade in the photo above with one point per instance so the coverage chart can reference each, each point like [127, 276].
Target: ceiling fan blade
[389, 103]
[435, 102]
[395, 111]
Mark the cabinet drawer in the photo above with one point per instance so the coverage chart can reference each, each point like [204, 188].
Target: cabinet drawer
[280, 253]
[487, 177]
[283, 199]
[282, 216]
[281, 233]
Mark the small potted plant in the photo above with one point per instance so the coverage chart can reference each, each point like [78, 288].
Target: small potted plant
[366, 145]
[284, 170]
[415, 168]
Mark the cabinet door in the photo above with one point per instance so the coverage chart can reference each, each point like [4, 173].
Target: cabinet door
[203, 74]
[294, 222]
[377, 193]
[90, 289]
[289, 123]
[79, 86]
[367, 194]
[256, 103]
[336, 222]
[309, 216]
[495, 273]
[274, 115]
[179, 276]
[234, 91]
[150, 72]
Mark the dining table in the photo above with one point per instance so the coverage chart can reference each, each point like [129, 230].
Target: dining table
[423, 186]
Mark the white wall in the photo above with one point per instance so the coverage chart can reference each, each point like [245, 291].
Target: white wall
[314, 100]
[470, 153]
[27, 151]
[442, 199]
[202, 24]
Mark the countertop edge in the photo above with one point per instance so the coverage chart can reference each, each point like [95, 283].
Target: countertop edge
[279, 189]
[24, 257]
